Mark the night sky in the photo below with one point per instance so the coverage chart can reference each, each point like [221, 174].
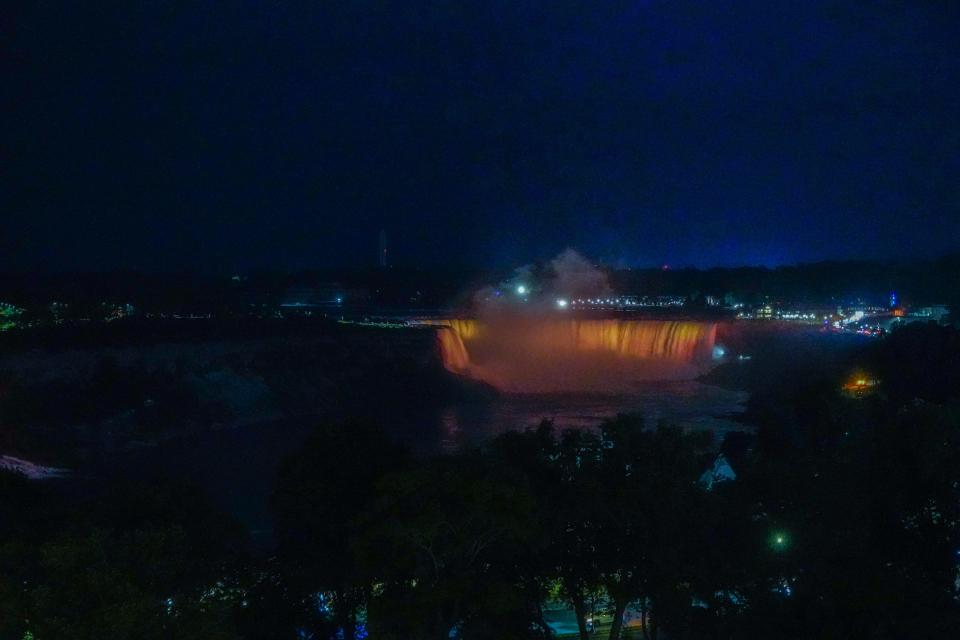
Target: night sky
[223, 136]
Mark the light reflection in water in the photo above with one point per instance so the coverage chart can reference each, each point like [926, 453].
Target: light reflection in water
[688, 404]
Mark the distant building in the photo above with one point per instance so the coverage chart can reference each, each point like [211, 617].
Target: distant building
[59, 311]
[8, 310]
[860, 384]
[114, 311]
[626, 301]
[9, 315]
[937, 313]
[324, 295]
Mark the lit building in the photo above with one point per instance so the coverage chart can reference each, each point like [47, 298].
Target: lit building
[937, 313]
[860, 384]
[329, 295]
[9, 315]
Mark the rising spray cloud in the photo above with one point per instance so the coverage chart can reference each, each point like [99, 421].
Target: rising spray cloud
[526, 336]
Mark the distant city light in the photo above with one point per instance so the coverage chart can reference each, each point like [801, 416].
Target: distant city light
[779, 540]
[561, 303]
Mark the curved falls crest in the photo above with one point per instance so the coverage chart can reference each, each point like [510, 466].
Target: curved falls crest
[545, 354]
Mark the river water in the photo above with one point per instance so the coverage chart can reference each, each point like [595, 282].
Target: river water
[688, 404]
[237, 467]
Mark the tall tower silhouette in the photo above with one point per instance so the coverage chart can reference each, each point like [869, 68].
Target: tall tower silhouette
[383, 248]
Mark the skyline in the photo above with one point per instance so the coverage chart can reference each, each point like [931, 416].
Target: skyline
[495, 134]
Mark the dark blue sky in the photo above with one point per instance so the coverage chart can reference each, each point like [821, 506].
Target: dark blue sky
[222, 136]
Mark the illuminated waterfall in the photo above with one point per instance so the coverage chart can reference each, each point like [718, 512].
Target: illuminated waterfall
[682, 341]
[452, 350]
[570, 353]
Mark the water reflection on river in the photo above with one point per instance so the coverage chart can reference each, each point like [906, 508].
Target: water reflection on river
[237, 466]
[685, 403]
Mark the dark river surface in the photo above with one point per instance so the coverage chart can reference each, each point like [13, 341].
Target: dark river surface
[237, 466]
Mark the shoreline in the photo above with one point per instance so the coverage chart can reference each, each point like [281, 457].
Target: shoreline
[31, 470]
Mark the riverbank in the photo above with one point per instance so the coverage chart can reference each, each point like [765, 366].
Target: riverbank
[31, 470]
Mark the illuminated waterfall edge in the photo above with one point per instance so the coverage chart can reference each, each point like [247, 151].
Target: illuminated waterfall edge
[516, 351]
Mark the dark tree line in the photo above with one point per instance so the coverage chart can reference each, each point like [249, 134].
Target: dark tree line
[131, 561]
[473, 544]
[916, 282]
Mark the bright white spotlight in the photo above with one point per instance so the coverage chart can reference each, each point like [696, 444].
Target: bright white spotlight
[561, 303]
[521, 289]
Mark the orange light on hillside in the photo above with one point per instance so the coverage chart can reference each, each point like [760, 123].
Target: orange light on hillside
[860, 383]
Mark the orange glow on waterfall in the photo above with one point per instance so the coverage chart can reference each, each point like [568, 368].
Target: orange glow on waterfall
[674, 340]
[537, 353]
[452, 350]
[466, 329]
